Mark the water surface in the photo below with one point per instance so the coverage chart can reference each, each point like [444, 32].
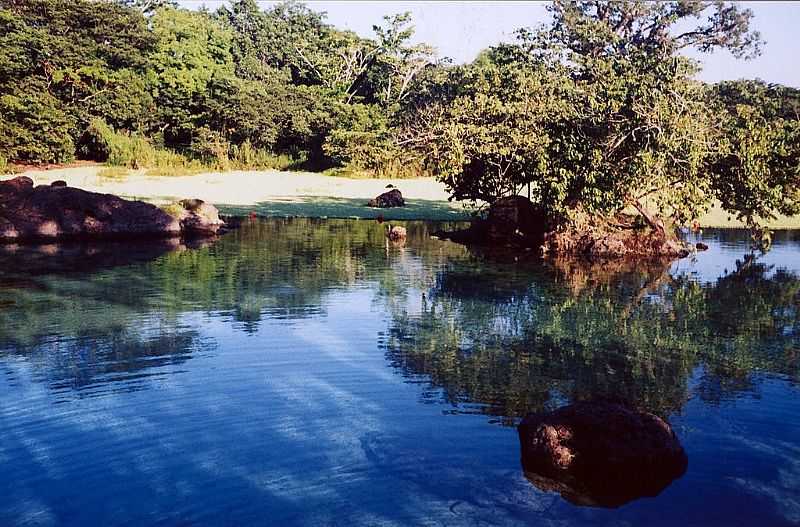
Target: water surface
[307, 372]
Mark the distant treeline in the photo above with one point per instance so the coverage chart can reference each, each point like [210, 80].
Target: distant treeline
[123, 81]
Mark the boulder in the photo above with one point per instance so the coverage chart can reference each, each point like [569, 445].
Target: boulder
[59, 183]
[18, 184]
[600, 454]
[49, 212]
[515, 220]
[199, 217]
[511, 221]
[393, 198]
[700, 246]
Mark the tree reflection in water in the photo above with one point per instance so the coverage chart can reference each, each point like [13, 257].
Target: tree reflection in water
[516, 341]
[484, 334]
[499, 337]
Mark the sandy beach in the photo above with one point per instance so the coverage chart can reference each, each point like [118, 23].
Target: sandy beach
[277, 193]
[268, 192]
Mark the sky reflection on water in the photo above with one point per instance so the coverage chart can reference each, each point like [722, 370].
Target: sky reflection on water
[305, 372]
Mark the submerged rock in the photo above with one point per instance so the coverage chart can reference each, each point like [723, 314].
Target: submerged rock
[396, 233]
[49, 212]
[599, 453]
[393, 198]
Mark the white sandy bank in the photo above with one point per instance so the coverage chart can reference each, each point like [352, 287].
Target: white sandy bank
[267, 192]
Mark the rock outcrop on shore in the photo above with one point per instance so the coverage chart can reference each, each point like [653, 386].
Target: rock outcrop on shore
[516, 223]
[600, 454]
[392, 198]
[54, 212]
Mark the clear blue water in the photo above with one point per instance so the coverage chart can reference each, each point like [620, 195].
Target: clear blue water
[306, 372]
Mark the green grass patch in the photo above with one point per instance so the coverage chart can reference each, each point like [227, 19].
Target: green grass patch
[173, 209]
[114, 173]
[392, 171]
[348, 172]
[717, 217]
[190, 169]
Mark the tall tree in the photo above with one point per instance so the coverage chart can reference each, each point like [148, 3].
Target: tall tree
[636, 130]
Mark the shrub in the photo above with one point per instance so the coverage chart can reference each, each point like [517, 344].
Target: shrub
[212, 148]
[34, 128]
[101, 143]
[246, 156]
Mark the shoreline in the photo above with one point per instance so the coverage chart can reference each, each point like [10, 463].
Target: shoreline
[268, 192]
[275, 193]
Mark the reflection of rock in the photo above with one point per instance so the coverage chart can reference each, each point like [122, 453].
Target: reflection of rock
[393, 198]
[600, 454]
[67, 257]
[50, 212]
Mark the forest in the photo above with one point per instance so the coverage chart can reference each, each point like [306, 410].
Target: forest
[599, 111]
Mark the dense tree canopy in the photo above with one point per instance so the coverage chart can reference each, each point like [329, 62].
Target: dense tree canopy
[599, 111]
[237, 82]
[602, 110]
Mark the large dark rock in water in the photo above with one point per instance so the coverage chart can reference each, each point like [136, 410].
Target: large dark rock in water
[511, 221]
[56, 212]
[515, 220]
[599, 453]
[393, 198]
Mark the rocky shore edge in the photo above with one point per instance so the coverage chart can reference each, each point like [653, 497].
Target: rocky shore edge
[30, 213]
[515, 223]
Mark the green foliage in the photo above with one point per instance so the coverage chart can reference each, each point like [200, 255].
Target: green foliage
[102, 143]
[600, 110]
[148, 6]
[247, 157]
[34, 127]
[757, 172]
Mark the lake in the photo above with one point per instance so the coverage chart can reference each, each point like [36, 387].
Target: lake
[308, 372]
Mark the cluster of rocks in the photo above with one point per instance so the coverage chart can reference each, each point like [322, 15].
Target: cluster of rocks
[54, 212]
[515, 222]
[599, 453]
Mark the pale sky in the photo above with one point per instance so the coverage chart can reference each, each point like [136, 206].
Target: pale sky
[461, 29]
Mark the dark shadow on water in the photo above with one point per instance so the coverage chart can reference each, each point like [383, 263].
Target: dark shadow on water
[330, 207]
